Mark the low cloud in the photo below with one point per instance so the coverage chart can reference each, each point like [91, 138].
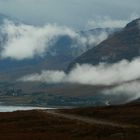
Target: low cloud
[130, 90]
[48, 76]
[27, 41]
[122, 76]
[23, 41]
[103, 74]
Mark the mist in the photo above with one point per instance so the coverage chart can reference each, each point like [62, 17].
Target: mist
[131, 91]
[122, 76]
[102, 74]
[28, 41]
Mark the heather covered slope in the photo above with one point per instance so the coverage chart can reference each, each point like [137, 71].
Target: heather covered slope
[121, 114]
[40, 125]
[124, 44]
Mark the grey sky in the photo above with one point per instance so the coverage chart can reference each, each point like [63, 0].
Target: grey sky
[74, 13]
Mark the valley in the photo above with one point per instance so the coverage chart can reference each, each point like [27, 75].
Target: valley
[66, 82]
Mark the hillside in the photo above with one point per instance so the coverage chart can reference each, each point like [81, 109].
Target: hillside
[40, 125]
[62, 50]
[124, 44]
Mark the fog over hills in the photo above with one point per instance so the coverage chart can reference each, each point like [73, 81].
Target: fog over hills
[114, 62]
[124, 44]
[58, 55]
[118, 55]
[27, 48]
[69, 70]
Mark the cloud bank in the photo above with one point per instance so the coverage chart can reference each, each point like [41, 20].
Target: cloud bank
[123, 76]
[130, 90]
[103, 74]
[27, 41]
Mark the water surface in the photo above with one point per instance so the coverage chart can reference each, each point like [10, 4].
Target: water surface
[17, 108]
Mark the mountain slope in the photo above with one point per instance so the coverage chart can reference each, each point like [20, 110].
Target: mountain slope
[59, 55]
[124, 44]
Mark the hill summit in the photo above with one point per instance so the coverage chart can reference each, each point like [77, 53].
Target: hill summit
[124, 44]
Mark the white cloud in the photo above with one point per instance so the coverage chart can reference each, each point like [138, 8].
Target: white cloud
[103, 74]
[122, 76]
[131, 90]
[96, 39]
[45, 76]
[27, 41]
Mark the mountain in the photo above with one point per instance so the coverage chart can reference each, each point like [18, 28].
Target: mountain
[59, 56]
[124, 44]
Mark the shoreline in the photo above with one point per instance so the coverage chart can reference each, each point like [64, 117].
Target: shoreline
[10, 108]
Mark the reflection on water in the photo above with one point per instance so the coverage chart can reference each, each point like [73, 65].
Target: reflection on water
[16, 108]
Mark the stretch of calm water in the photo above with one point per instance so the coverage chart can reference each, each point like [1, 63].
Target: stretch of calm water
[17, 108]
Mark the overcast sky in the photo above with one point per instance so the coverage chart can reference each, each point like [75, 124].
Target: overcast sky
[74, 13]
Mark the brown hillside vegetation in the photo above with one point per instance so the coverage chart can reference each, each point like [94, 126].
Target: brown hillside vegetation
[39, 125]
[129, 113]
